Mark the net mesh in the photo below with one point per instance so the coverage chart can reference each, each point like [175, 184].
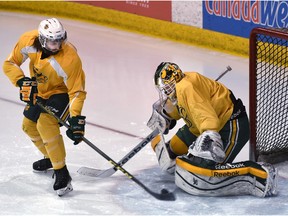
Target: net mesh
[271, 94]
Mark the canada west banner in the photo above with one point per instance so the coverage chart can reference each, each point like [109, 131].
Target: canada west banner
[239, 17]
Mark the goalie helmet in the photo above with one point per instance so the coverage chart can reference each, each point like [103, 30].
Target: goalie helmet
[51, 35]
[166, 76]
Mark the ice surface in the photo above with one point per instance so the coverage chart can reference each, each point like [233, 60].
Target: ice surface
[119, 67]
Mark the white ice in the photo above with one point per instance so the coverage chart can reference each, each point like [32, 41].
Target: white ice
[119, 67]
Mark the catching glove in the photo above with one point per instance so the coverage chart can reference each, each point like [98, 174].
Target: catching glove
[28, 90]
[209, 146]
[77, 128]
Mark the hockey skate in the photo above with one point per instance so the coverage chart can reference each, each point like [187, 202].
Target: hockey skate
[42, 165]
[272, 180]
[62, 183]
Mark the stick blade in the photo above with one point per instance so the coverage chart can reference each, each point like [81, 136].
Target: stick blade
[98, 173]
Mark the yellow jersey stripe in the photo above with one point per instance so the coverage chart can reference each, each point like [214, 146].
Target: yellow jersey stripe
[233, 138]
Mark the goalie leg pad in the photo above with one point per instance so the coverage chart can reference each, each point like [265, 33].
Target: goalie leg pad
[271, 181]
[202, 185]
[165, 162]
[224, 180]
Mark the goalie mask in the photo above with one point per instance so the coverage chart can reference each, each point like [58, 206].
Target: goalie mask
[166, 76]
[51, 35]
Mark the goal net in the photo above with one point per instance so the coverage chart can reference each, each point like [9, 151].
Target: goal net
[268, 100]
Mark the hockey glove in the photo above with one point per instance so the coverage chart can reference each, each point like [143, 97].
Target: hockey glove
[160, 119]
[77, 128]
[28, 90]
[209, 146]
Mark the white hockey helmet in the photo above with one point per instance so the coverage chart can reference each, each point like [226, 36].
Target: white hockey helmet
[51, 34]
[166, 76]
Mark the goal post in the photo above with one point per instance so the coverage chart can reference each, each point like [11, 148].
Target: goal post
[268, 94]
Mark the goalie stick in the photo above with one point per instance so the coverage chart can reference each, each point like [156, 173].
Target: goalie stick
[228, 68]
[108, 172]
[92, 172]
[160, 126]
[163, 195]
[156, 123]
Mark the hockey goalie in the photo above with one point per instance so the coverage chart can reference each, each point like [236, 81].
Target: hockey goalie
[201, 153]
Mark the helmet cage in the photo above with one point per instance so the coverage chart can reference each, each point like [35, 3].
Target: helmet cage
[166, 77]
[167, 91]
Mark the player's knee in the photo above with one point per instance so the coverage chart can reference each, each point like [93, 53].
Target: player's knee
[155, 141]
[159, 140]
[177, 146]
[56, 151]
[47, 126]
[29, 127]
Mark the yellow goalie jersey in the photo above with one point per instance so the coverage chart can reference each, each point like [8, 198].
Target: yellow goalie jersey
[198, 103]
[60, 73]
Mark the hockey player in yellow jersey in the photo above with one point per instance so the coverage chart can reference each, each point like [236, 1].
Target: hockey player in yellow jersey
[56, 80]
[216, 128]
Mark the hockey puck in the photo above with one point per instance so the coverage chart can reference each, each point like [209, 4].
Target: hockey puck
[164, 191]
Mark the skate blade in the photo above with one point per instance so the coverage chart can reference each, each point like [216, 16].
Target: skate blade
[65, 190]
[42, 171]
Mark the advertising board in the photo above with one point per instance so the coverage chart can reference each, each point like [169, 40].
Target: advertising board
[240, 17]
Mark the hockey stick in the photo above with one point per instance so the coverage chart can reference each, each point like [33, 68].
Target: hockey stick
[157, 128]
[108, 172]
[222, 74]
[164, 195]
